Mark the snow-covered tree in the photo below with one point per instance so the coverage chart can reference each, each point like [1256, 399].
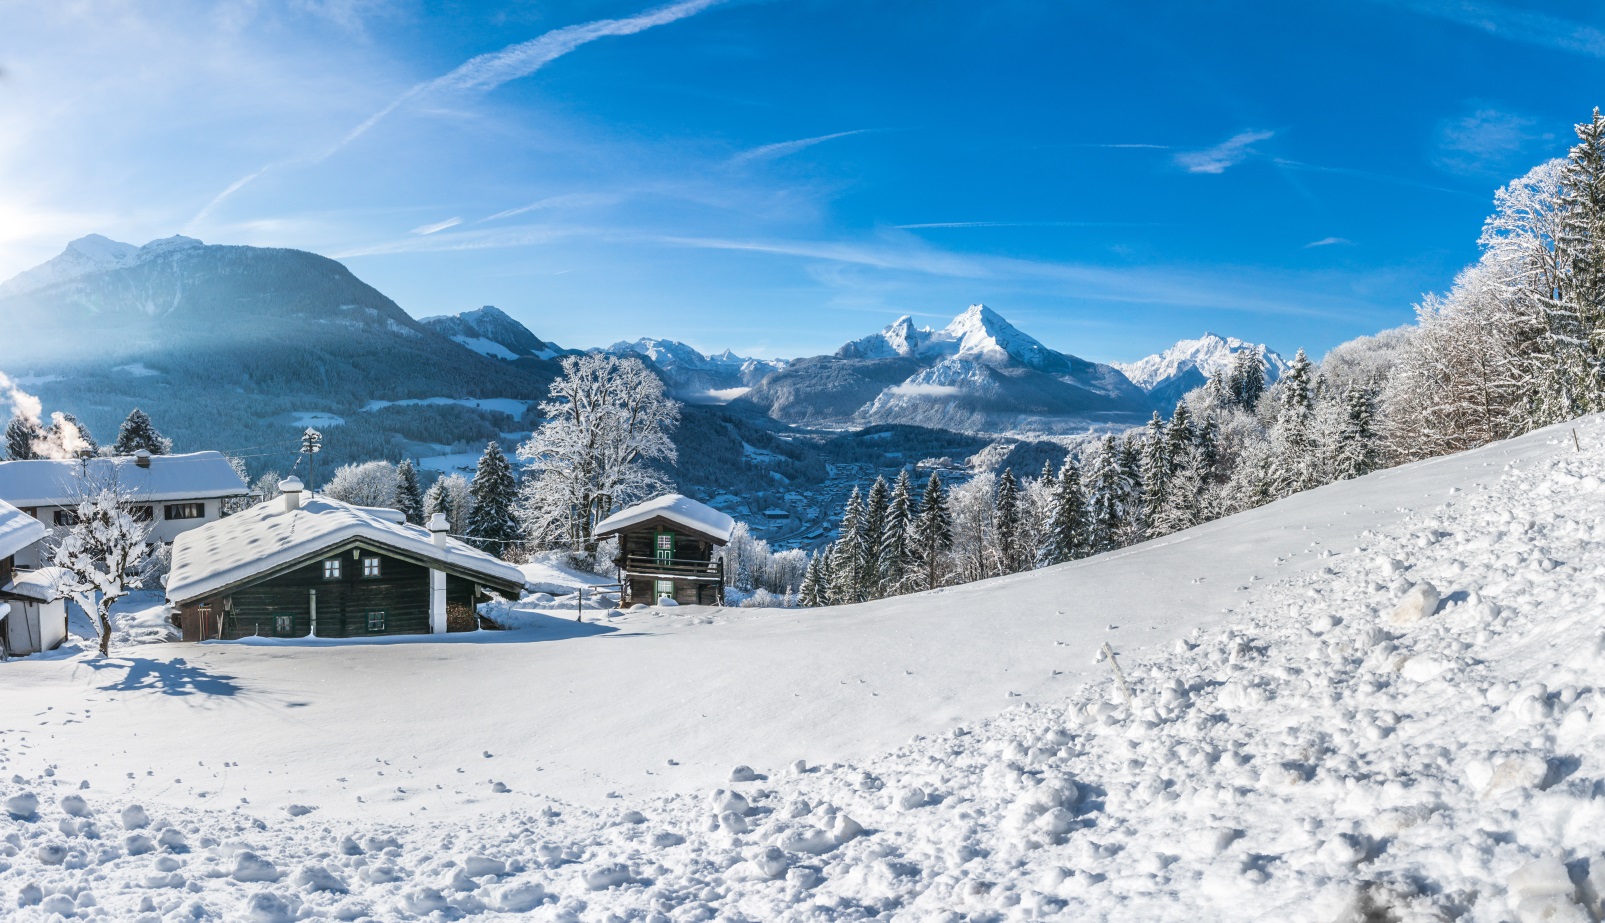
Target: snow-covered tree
[1013, 554]
[1246, 380]
[72, 438]
[1355, 450]
[1295, 463]
[409, 498]
[21, 435]
[847, 554]
[1068, 533]
[371, 483]
[975, 554]
[138, 432]
[450, 494]
[491, 524]
[813, 592]
[895, 536]
[1134, 528]
[101, 553]
[874, 529]
[932, 534]
[1109, 495]
[1156, 468]
[608, 419]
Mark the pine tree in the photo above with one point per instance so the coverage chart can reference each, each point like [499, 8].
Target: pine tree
[1011, 549]
[1294, 464]
[874, 528]
[491, 523]
[1206, 442]
[438, 500]
[932, 533]
[1183, 506]
[1356, 453]
[1069, 531]
[1046, 478]
[21, 434]
[1108, 513]
[811, 593]
[138, 432]
[1155, 470]
[1245, 383]
[86, 445]
[847, 559]
[1134, 528]
[894, 539]
[1180, 435]
[409, 497]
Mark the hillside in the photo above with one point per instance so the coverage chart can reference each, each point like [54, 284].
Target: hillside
[233, 347]
[1301, 745]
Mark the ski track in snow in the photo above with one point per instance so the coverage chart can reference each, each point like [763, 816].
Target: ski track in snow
[1331, 754]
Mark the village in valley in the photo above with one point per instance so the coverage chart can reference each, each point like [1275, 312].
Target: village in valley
[1239, 559]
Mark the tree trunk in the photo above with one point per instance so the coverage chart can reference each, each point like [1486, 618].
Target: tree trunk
[103, 611]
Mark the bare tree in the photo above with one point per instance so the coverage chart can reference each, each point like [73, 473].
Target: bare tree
[606, 420]
[102, 551]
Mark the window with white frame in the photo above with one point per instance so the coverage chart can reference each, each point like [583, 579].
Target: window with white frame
[331, 569]
[370, 567]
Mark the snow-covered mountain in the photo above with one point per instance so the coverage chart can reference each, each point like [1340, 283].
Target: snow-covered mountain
[90, 254]
[1168, 375]
[697, 376]
[489, 331]
[979, 373]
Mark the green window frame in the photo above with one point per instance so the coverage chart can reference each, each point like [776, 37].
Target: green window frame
[376, 620]
[662, 588]
[663, 546]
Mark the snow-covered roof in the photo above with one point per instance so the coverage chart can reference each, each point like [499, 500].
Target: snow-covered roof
[18, 530]
[53, 482]
[698, 517]
[38, 584]
[268, 536]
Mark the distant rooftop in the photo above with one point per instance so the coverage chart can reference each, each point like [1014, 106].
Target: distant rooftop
[53, 482]
[699, 517]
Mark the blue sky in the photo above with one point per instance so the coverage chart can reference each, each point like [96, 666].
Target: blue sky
[779, 176]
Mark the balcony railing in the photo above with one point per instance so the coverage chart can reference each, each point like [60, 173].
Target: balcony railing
[647, 565]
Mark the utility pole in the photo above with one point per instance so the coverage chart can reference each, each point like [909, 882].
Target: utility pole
[311, 445]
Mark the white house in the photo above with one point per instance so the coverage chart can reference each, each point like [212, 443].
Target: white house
[33, 617]
[175, 492]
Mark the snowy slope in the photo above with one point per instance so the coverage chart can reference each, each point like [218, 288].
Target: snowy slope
[92, 253]
[1311, 754]
[489, 331]
[1170, 374]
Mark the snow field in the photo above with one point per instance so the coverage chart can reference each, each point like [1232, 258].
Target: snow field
[1406, 730]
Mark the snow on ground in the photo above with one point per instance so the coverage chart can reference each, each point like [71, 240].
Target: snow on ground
[549, 573]
[136, 369]
[513, 407]
[1338, 746]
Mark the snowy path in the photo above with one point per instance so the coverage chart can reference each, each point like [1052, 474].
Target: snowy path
[1317, 759]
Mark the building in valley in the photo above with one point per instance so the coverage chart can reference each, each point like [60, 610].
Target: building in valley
[33, 616]
[175, 493]
[294, 567]
[666, 549]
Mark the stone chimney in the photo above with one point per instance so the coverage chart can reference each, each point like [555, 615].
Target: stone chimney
[292, 493]
[438, 527]
[142, 458]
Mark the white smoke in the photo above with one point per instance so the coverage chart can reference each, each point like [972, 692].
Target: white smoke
[61, 439]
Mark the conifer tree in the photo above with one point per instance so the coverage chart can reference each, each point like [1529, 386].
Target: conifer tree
[894, 539]
[491, 523]
[847, 558]
[1135, 524]
[76, 434]
[1046, 478]
[811, 593]
[1183, 507]
[138, 432]
[1356, 453]
[1180, 434]
[1007, 516]
[1293, 467]
[1108, 513]
[1206, 441]
[1245, 383]
[932, 533]
[409, 496]
[21, 433]
[1156, 465]
[874, 528]
[1069, 531]
[438, 500]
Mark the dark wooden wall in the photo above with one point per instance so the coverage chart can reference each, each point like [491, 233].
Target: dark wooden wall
[401, 591]
[687, 547]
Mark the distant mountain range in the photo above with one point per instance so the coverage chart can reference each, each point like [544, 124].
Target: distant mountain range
[695, 376]
[490, 332]
[1169, 375]
[978, 374]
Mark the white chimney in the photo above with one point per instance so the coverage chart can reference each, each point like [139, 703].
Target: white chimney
[142, 457]
[292, 493]
[438, 527]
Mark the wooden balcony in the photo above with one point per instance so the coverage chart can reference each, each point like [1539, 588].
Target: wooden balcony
[674, 568]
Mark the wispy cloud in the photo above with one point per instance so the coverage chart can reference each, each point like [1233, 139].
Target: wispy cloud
[487, 71]
[1484, 140]
[1327, 242]
[1228, 153]
[1376, 177]
[1129, 147]
[783, 148]
[1518, 25]
[1025, 224]
[437, 226]
[567, 200]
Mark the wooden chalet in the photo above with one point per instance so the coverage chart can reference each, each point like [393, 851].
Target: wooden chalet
[292, 569]
[33, 615]
[666, 549]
